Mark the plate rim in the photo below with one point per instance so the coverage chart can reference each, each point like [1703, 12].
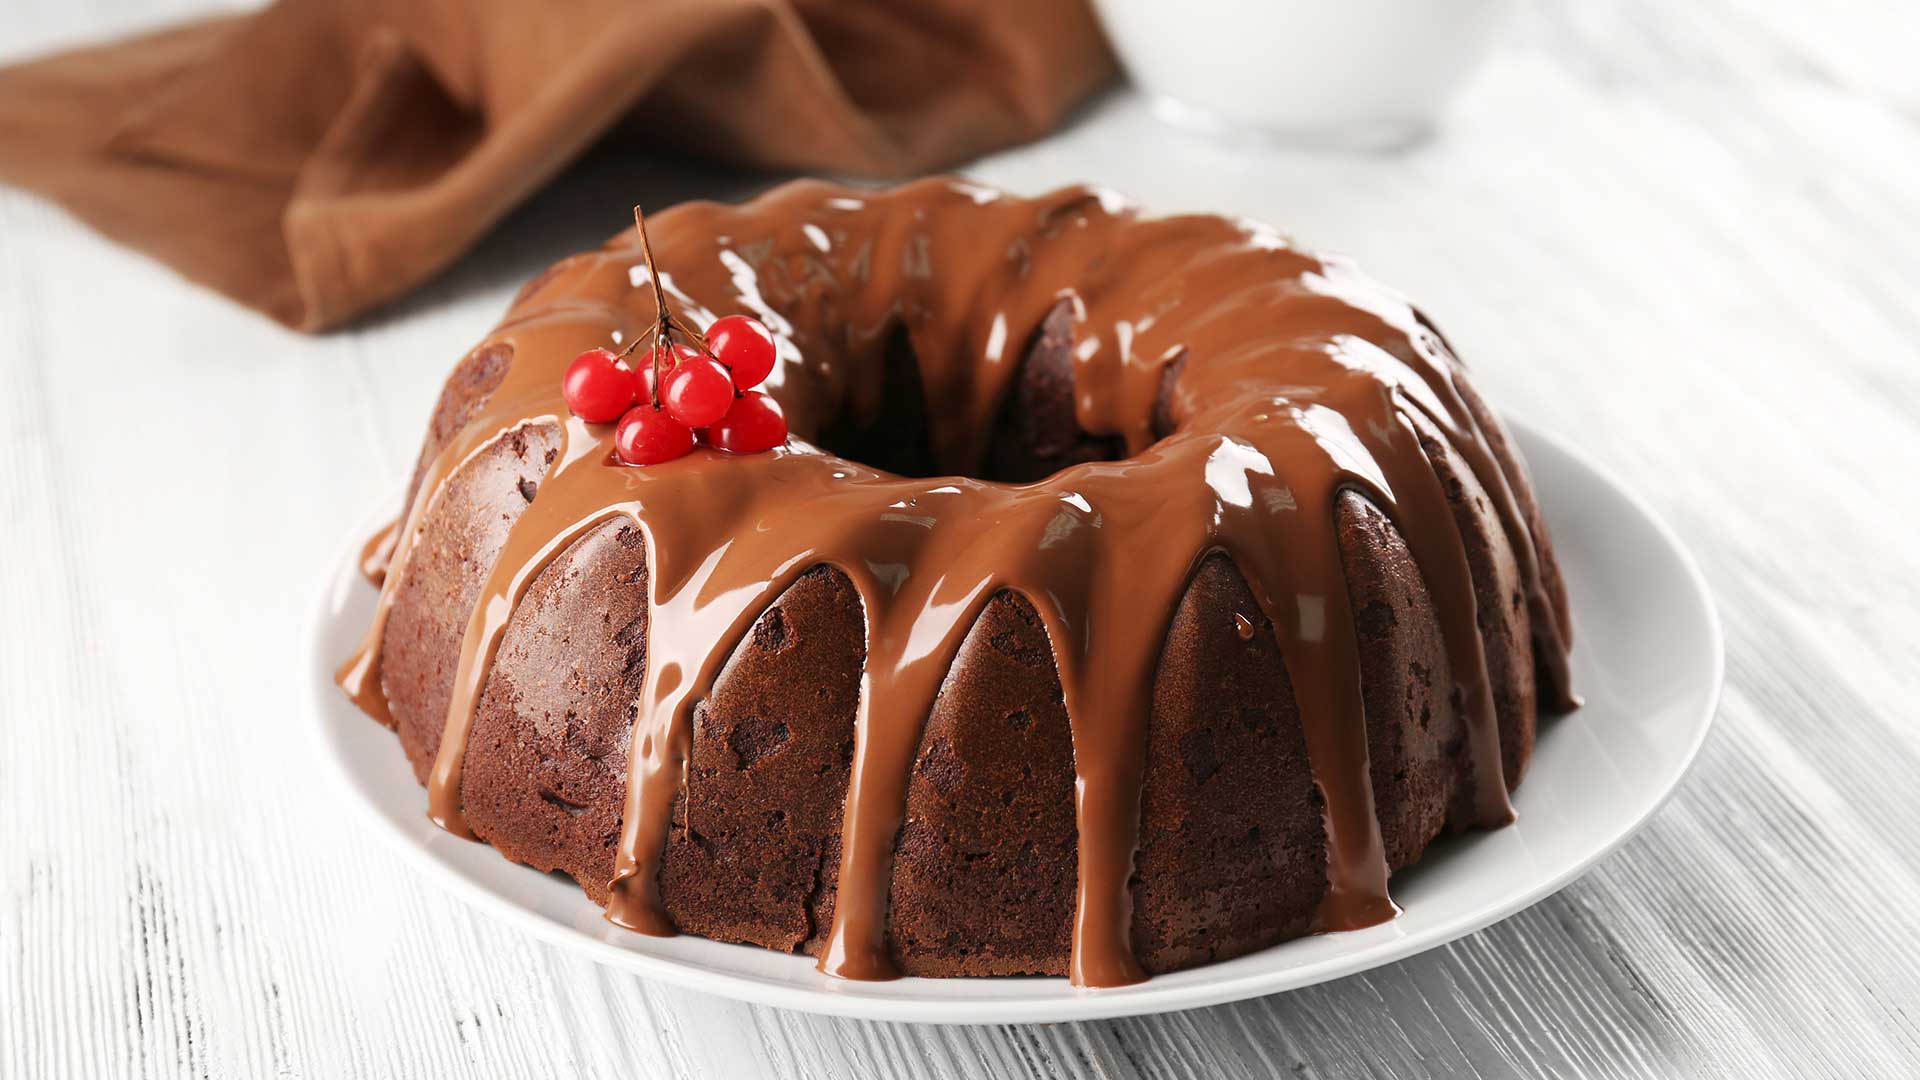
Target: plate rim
[1075, 1003]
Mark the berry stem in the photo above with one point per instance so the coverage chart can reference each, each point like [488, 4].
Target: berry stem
[661, 314]
[665, 322]
[660, 317]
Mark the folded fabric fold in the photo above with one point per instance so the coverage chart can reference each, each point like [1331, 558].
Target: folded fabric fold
[322, 157]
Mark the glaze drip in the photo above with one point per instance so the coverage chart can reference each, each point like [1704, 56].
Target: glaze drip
[1293, 379]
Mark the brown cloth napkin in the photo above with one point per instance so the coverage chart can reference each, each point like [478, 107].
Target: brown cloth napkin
[324, 156]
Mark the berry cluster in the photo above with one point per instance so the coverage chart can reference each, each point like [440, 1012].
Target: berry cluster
[698, 388]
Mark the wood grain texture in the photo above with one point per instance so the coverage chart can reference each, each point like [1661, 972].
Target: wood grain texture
[1685, 235]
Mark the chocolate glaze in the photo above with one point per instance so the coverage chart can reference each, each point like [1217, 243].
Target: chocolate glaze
[377, 552]
[1292, 379]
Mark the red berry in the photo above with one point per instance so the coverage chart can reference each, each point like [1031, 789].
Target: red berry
[753, 424]
[745, 346]
[698, 392]
[598, 388]
[648, 436]
[643, 368]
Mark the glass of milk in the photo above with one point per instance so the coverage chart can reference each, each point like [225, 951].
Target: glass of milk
[1356, 74]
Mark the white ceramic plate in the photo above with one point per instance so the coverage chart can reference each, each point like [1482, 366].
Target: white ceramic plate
[1647, 658]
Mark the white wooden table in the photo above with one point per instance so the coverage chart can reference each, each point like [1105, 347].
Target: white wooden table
[1685, 235]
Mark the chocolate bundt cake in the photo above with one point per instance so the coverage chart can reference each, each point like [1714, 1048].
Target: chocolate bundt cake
[1134, 593]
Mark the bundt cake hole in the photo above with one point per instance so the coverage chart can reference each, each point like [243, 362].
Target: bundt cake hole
[1035, 434]
[887, 429]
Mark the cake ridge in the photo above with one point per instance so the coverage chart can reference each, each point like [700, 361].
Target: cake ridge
[1101, 550]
